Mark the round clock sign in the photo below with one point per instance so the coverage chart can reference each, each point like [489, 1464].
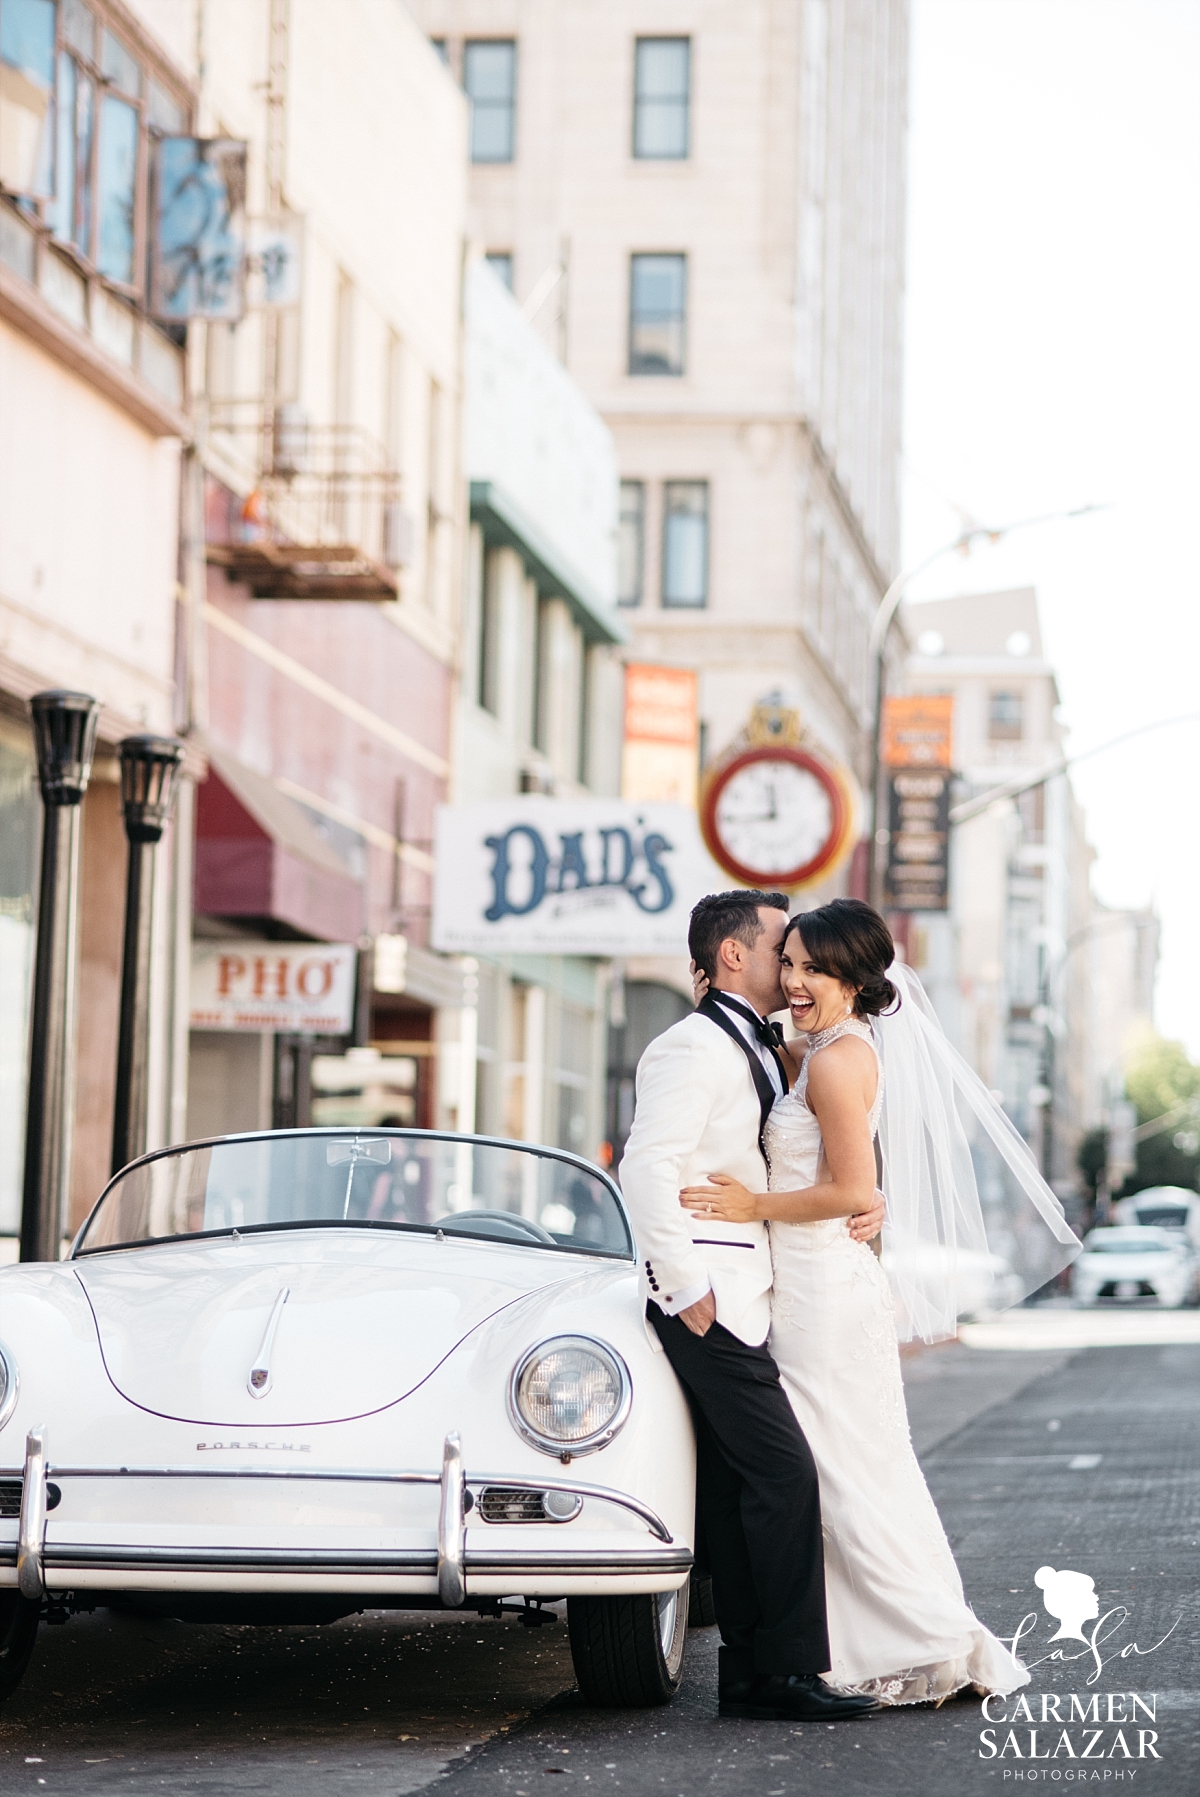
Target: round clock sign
[776, 815]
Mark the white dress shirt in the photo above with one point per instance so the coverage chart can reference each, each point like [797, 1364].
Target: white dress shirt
[744, 1018]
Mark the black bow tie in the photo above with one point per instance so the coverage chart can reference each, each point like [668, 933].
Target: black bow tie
[769, 1034]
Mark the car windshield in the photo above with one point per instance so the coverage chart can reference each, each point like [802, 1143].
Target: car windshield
[1120, 1243]
[1166, 1216]
[387, 1179]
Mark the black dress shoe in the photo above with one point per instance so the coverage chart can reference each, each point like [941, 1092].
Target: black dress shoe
[791, 1697]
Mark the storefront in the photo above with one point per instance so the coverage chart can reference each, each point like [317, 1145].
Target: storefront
[551, 896]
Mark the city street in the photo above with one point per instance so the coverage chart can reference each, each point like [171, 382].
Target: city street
[598, 649]
[1068, 1455]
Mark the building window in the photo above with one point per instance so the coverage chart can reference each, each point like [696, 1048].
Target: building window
[27, 46]
[19, 823]
[631, 542]
[443, 49]
[1006, 717]
[573, 1075]
[685, 543]
[657, 311]
[82, 148]
[662, 79]
[490, 80]
[99, 135]
[487, 678]
[501, 264]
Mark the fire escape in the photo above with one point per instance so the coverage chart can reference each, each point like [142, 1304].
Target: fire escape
[323, 519]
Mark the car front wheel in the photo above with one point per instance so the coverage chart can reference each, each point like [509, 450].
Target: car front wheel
[18, 1628]
[702, 1611]
[628, 1651]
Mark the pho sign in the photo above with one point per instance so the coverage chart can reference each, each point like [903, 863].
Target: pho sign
[534, 875]
[254, 985]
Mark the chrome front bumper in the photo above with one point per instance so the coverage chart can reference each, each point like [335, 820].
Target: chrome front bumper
[452, 1563]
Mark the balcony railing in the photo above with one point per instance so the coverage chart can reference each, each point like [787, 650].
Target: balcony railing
[324, 518]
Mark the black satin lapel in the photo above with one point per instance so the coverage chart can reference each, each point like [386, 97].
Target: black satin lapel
[758, 1073]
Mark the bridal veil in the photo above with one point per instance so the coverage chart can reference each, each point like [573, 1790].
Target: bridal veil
[972, 1225]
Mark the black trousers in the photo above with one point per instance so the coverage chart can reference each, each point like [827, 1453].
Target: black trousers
[759, 1503]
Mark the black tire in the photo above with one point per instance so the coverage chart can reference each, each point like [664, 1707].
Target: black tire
[628, 1651]
[702, 1612]
[18, 1630]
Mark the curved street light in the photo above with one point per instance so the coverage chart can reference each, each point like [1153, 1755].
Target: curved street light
[881, 628]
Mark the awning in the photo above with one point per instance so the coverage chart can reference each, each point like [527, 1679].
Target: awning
[504, 524]
[258, 855]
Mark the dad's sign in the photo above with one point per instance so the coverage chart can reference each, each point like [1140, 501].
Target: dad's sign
[254, 985]
[535, 875]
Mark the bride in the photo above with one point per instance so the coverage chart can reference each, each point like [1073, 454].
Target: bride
[876, 1062]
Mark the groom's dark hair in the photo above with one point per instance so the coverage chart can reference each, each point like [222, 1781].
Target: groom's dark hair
[724, 914]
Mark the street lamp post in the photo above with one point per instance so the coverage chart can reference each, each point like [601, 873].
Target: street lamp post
[149, 775]
[64, 729]
[877, 642]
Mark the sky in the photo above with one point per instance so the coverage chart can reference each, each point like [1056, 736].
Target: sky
[1053, 360]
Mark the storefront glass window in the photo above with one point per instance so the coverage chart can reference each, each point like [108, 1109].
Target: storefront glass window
[18, 834]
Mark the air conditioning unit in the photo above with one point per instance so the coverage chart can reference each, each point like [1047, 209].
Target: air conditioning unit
[399, 535]
[290, 447]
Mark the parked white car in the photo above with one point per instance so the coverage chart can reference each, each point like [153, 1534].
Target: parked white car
[1163, 1207]
[1130, 1263]
[285, 1377]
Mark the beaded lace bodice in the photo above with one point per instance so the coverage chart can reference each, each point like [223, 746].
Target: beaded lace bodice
[793, 1135]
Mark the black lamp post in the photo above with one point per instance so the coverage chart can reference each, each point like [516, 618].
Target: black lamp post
[64, 730]
[149, 776]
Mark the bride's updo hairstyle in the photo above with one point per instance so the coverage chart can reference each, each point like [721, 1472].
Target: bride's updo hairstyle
[847, 940]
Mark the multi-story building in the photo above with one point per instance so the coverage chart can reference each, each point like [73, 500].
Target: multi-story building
[1019, 964]
[1120, 966]
[319, 615]
[327, 575]
[701, 209]
[539, 702]
[93, 411]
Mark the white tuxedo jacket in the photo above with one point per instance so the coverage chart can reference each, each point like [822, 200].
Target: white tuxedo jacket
[697, 1112]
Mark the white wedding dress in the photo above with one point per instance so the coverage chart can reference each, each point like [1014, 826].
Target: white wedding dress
[899, 1626]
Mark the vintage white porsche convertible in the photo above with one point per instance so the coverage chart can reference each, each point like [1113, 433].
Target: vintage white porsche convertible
[290, 1376]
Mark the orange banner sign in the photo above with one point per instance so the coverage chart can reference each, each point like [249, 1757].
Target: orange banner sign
[661, 734]
[918, 730]
[660, 705]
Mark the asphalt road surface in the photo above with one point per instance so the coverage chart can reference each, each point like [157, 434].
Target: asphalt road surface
[1081, 1458]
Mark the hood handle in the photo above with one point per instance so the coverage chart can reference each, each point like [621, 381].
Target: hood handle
[259, 1382]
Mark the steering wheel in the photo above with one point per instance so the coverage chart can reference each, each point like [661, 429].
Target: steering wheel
[520, 1226]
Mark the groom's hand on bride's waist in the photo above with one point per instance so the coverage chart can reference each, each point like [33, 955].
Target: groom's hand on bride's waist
[865, 1226]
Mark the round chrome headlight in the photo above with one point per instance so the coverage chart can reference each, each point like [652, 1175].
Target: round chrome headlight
[8, 1385]
[569, 1395]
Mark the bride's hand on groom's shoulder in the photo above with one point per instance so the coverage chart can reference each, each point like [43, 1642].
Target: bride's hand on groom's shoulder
[699, 982]
[723, 1198]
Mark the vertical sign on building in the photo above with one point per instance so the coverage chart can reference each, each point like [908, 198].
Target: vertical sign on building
[917, 744]
[659, 763]
[198, 241]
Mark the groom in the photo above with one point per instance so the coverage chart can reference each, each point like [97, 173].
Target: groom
[704, 1091]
